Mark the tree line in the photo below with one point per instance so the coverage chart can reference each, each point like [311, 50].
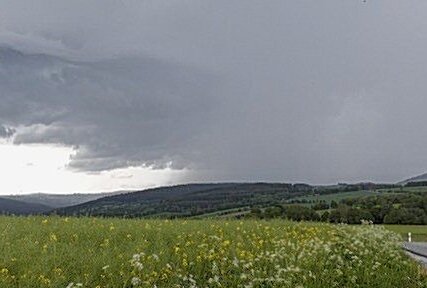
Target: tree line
[389, 208]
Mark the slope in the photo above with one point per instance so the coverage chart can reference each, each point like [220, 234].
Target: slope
[419, 178]
[60, 200]
[188, 200]
[10, 206]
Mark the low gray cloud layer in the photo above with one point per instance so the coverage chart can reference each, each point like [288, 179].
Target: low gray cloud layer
[6, 132]
[318, 91]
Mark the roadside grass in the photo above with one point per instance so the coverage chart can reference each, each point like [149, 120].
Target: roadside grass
[95, 252]
[419, 232]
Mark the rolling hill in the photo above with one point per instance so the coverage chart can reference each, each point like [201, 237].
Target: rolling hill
[419, 178]
[188, 200]
[184, 200]
[60, 200]
[10, 206]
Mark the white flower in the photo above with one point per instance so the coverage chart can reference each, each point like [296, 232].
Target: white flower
[136, 257]
[135, 281]
[72, 285]
[139, 266]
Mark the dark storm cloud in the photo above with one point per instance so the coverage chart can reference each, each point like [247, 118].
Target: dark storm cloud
[117, 113]
[318, 91]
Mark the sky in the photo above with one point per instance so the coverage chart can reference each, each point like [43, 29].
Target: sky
[104, 95]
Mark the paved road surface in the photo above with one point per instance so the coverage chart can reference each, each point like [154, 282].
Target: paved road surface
[417, 250]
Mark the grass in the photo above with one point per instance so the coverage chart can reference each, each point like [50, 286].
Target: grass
[419, 232]
[92, 252]
[223, 213]
[337, 197]
[405, 189]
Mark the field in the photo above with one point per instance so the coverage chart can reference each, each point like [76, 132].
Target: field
[419, 232]
[337, 197]
[405, 189]
[93, 252]
[228, 213]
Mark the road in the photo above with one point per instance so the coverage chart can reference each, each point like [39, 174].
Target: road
[417, 250]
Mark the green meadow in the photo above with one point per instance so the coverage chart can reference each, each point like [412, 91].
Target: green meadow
[337, 197]
[95, 252]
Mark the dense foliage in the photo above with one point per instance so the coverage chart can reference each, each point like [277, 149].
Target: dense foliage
[91, 252]
[387, 208]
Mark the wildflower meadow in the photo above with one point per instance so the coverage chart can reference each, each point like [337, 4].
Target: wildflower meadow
[94, 252]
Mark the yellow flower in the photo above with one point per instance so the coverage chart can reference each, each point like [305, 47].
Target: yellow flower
[53, 238]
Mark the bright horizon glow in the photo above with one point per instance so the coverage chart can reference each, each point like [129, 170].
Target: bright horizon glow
[43, 168]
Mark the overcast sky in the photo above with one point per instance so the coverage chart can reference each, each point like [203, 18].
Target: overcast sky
[104, 95]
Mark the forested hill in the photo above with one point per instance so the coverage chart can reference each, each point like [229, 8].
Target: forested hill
[416, 179]
[10, 206]
[188, 200]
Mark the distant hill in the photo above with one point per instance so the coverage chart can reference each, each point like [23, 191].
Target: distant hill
[188, 200]
[419, 178]
[182, 200]
[10, 206]
[60, 200]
